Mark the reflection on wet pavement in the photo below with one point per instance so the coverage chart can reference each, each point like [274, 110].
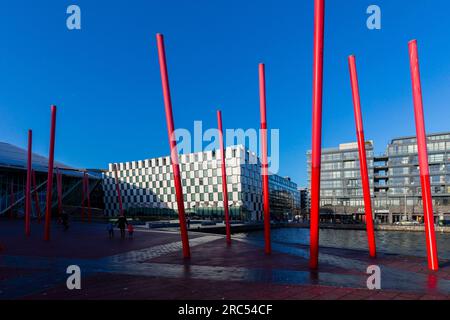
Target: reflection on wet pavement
[391, 278]
[393, 242]
[51, 272]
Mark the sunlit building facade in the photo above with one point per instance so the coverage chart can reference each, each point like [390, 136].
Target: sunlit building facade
[147, 186]
[394, 179]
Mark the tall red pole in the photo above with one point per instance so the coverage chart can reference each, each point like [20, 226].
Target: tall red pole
[28, 185]
[224, 178]
[433, 263]
[51, 154]
[362, 155]
[316, 153]
[119, 196]
[173, 144]
[264, 163]
[36, 197]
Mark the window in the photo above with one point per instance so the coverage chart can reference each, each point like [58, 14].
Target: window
[349, 164]
[351, 174]
[436, 157]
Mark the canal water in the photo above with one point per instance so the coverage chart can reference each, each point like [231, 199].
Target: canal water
[395, 242]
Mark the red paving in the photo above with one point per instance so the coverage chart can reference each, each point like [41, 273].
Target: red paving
[82, 241]
[241, 254]
[123, 287]
[91, 242]
[416, 264]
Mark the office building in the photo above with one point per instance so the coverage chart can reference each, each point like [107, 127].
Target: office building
[147, 187]
[394, 180]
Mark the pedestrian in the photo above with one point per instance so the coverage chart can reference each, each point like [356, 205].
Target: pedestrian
[130, 230]
[110, 228]
[188, 222]
[122, 223]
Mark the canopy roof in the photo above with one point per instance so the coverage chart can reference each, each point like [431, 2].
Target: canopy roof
[14, 157]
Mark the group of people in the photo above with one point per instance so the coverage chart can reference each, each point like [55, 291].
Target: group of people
[122, 224]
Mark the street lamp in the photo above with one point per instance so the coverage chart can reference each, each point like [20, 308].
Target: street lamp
[406, 193]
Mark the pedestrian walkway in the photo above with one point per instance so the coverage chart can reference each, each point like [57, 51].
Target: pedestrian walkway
[151, 266]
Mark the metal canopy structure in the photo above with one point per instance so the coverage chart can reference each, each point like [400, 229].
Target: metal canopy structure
[14, 157]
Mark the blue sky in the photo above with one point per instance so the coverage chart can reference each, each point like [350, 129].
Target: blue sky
[105, 77]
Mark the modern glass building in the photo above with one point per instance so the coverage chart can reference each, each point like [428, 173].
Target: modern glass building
[340, 183]
[401, 179]
[394, 179]
[147, 186]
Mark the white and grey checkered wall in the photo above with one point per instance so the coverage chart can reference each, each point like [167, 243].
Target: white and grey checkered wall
[149, 183]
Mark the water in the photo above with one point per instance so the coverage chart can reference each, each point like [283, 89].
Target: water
[394, 242]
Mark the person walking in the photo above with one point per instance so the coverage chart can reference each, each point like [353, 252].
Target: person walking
[130, 230]
[110, 228]
[122, 223]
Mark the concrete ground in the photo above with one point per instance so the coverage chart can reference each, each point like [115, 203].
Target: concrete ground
[150, 266]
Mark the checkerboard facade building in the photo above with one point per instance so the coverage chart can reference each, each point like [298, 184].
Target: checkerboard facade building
[147, 186]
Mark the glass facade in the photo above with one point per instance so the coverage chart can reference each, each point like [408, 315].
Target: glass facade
[340, 181]
[147, 186]
[13, 175]
[394, 178]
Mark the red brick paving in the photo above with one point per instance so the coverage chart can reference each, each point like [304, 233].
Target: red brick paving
[82, 241]
[123, 287]
[241, 254]
[91, 242]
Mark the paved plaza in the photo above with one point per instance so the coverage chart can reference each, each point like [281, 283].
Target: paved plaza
[150, 266]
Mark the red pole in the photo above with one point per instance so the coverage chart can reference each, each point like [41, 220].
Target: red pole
[362, 156]
[433, 263]
[172, 143]
[224, 177]
[264, 164]
[28, 186]
[319, 13]
[51, 154]
[36, 197]
[119, 196]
